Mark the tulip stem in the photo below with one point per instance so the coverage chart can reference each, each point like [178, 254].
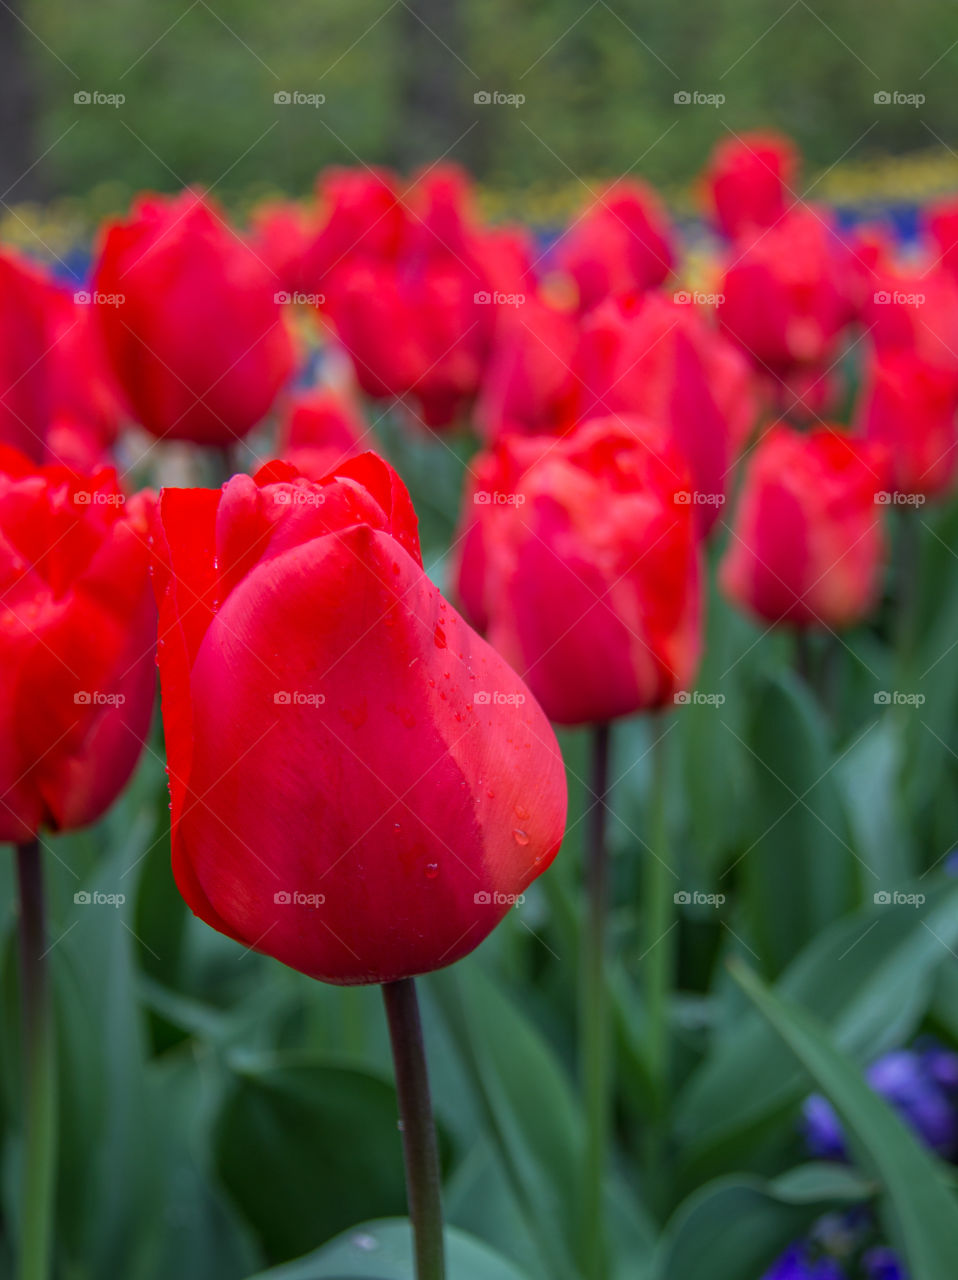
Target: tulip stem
[36, 1021]
[418, 1130]
[594, 1016]
[659, 943]
[907, 584]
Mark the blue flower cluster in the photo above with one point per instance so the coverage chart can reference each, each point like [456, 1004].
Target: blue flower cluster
[921, 1083]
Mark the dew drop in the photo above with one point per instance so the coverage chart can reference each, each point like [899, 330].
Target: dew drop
[520, 836]
[521, 813]
[432, 870]
[440, 637]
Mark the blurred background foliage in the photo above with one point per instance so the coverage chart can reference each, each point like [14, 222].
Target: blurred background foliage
[399, 78]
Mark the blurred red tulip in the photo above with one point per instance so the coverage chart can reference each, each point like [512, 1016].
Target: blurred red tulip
[660, 360]
[579, 556]
[529, 385]
[196, 336]
[942, 218]
[282, 235]
[787, 296]
[322, 428]
[620, 244]
[807, 543]
[360, 785]
[57, 399]
[909, 406]
[77, 637]
[414, 286]
[748, 180]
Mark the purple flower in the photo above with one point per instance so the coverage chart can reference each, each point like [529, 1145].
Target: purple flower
[882, 1264]
[922, 1086]
[797, 1264]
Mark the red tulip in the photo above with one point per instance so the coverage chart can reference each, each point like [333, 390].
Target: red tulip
[529, 385]
[77, 636]
[659, 360]
[57, 400]
[909, 406]
[807, 543]
[282, 236]
[360, 785]
[747, 181]
[786, 297]
[622, 243]
[322, 429]
[414, 286]
[196, 338]
[943, 224]
[579, 556]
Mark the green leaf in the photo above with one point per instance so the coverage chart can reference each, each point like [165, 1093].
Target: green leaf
[306, 1148]
[867, 978]
[922, 1214]
[382, 1250]
[529, 1107]
[797, 870]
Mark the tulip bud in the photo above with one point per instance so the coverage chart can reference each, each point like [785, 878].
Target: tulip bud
[747, 182]
[196, 338]
[77, 640]
[579, 555]
[807, 543]
[361, 787]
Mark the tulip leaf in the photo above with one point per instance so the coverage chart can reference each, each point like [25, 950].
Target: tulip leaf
[921, 1213]
[305, 1148]
[382, 1250]
[868, 978]
[797, 869]
[736, 1227]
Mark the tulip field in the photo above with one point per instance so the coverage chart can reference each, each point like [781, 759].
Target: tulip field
[478, 744]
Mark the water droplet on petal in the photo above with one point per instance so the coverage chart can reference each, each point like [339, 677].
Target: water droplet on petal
[432, 870]
[520, 837]
[440, 637]
[521, 813]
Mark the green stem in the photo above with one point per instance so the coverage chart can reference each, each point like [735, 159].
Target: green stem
[660, 885]
[36, 1020]
[594, 1049]
[907, 585]
[418, 1130]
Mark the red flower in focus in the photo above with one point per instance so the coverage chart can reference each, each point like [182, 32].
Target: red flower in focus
[909, 406]
[580, 558]
[807, 543]
[77, 637]
[747, 181]
[621, 244]
[414, 287]
[787, 296]
[57, 399]
[196, 338]
[659, 360]
[359, 784]
[322, 428]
